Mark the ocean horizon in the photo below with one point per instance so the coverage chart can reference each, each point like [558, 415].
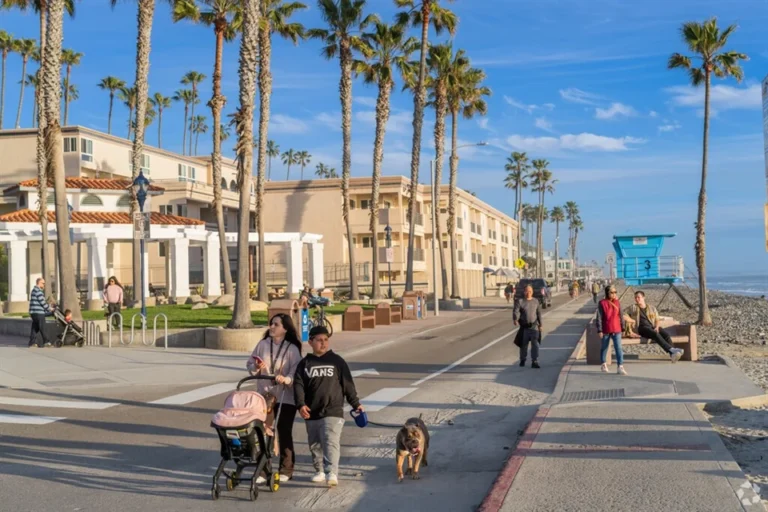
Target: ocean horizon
[749, 285]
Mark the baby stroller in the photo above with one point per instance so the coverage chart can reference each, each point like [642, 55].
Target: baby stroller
[246, 439]
[69, 333]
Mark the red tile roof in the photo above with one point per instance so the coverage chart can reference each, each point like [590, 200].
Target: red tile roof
[75, 182]
[101, 218]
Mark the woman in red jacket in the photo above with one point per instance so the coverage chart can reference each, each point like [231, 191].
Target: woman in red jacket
[610, 325]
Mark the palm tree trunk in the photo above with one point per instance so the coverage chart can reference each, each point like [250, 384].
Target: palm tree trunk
[269, 171]
[540, 237]
[241, 316]
[66, 96]
[160, 127]
[302, 172]
[2, 91]
[184, 137]
[701, 254]
[217, 103]
[146, 11]
[191, 118]
[54, 148]
[42, 160]
[418, 120]
[441, 108]
[21, 92]
[557, 255]
[382, 117]
[130, 121]
[455, 292]
[109, 116]
[265, 94]
[345, 90]
[197, 138]
[288, 176]
[519, 202]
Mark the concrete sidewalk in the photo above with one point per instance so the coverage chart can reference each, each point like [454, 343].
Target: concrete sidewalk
[636, 442]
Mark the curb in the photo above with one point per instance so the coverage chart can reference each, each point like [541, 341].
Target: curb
[727, 405]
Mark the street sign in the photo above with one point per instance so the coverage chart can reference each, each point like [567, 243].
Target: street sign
[520, 263]
[610, 258]
[141, 225]
[390, 257]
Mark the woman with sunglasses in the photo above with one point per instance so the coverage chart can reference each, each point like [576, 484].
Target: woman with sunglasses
[610, 325]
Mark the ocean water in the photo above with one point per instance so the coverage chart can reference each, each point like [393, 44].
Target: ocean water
[749, 285]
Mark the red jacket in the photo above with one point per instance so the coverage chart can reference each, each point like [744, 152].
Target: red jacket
[609, 318]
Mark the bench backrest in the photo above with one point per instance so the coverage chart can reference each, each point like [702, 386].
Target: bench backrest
[382, 305]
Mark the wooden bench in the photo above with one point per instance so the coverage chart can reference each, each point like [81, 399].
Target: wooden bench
[387, 315]
[683, 336]
[357, 319]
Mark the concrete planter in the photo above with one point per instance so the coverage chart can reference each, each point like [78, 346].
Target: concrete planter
[240, 340]
[336, 322]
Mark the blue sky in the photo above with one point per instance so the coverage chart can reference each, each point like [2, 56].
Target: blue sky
[582, 83]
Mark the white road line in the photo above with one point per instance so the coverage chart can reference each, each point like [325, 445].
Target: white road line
[195, 395]
[384, 397]
[27, 420]
[369, 371]
[60, 404]
[473, 354]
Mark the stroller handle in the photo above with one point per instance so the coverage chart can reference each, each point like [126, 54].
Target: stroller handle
[255, 377]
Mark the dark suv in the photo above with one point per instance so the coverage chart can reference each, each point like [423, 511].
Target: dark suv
[540, 291]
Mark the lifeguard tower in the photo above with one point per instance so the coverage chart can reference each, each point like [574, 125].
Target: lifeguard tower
[639, 262]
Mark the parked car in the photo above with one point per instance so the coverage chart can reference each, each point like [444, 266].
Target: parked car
[540, 291]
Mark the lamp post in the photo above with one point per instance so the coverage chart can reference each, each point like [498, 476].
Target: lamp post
[140, 188]
[388, 237]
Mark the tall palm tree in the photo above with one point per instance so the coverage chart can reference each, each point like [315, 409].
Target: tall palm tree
[225, 18]
[345, 20]
[275, 15]
[7, 43]
[556, 216]
[466, 96]
[69, 58]
[422, 14]
[193, 79]
[572, 215]
[390, 50]
[706, 42]
[322, 170]
[161, 103]
[249, 50]
[111, 84]
[224, 132]
[72, 91]
[186, 97]
[198, 127]
[289, 158]
[273, 151]
[303, 158]
[541, 184]
[34, 82]
[128, 96]
[578, 226]
[26, 49]
[517, 168]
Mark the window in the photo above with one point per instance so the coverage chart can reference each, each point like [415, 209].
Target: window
[445, 244]
[70, 144]
[144, 162]
[161, 249]
[91, 200]
[86, 148]
[50, 200]
[181, 210]
[22, 200]
[192, 173]
[125, 201]
[233, 186]
[365, 204]
[443, 210]
[223, 184]
[351, 204]
[367, 242]
[182, 172]
[188, 173]
[387, 205]
[166, 209]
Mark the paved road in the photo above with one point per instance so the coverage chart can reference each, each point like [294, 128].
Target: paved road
[130, 455]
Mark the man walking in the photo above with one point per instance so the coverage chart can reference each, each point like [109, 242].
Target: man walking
[527, 314]
[645, 320]
[38, 310]
[595, 291]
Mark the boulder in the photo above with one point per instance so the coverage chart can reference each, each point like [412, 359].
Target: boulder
[224, 300]
[195, 299]
[200, 305]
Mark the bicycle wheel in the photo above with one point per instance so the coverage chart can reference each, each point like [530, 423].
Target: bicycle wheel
[328, 325]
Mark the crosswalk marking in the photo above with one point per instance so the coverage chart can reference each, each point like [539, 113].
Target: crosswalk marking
[368, 371]
[384, 397]
[20, 419]
[59, 404]
[196, 394]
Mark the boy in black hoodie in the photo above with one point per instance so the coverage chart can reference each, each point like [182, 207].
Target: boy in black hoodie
[321, 384]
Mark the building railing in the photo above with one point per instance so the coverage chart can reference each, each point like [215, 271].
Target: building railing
[651, 268]
[419, 254]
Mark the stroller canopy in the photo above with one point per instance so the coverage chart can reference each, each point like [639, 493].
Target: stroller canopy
[241, 408]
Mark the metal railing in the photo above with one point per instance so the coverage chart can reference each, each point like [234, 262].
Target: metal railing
[143, 328]
[92, 333]
[662, 267]
[154, 329]
[110, 327]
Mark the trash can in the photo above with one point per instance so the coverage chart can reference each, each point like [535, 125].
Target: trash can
[287, 307]
[410, 305]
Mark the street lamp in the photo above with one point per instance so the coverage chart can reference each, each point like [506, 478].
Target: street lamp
[388, 237]
[140, 188]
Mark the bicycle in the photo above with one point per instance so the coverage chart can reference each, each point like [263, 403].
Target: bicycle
[321, 320]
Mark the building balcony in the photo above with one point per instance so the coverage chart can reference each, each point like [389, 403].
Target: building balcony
[200, 192]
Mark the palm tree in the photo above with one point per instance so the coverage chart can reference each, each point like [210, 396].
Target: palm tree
[34, 82]
[578, 226]
[7, 43]
[111, 84]
[274, 20]
[273, 151]
[224, 132]
[422, 14]
[517, 168]
[198, 127]
[192, 78]
[289, 158]
[390, 49]
[706, 42]
[321, 170]
[128, 96]
[160, 102]
[465, 96]
[72, 91]
[25, 48]
[556, 216]
[530, 215]
[345, 19]
[303, 158]
[69, 58]
[572, 215]
[150, 114]
[249, 49]
[541, 183]
[187, 97]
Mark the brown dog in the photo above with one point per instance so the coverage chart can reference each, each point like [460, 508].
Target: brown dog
[412, 441]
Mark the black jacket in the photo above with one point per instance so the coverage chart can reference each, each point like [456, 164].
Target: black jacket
[322, 384]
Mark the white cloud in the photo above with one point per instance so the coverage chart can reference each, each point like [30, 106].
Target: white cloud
[519, 105]
[280, 123]
[722, 97]
[332, 121]
[580, 142]
[483, 123]
[575, 95]
[543, 124]
[669, 126]
[653, 113]
[549, 106]
[615, 110]
[366, 101]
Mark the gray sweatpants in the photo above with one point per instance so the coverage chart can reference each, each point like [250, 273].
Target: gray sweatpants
[325, 443]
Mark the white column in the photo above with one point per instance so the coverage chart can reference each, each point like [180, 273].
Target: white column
[179, 257]
[168, 269]
[212, 267]
[18, 288]
[97, 266]
[316, 266]
[146, 268]
[294, 266]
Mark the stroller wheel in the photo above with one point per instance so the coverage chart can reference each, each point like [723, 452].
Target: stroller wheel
[254, 492]
[215, 493]
[231, 483]
[274, 482]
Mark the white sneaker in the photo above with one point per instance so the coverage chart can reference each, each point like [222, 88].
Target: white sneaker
[318, 478]
[621, 370]
[676, 354]
[604, 368]
[333, 480]
[284, 478]
[261, 480]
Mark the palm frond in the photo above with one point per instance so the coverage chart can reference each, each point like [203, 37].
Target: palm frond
[679, 61]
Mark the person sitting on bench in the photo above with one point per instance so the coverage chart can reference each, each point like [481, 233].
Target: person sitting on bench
[644, 319]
